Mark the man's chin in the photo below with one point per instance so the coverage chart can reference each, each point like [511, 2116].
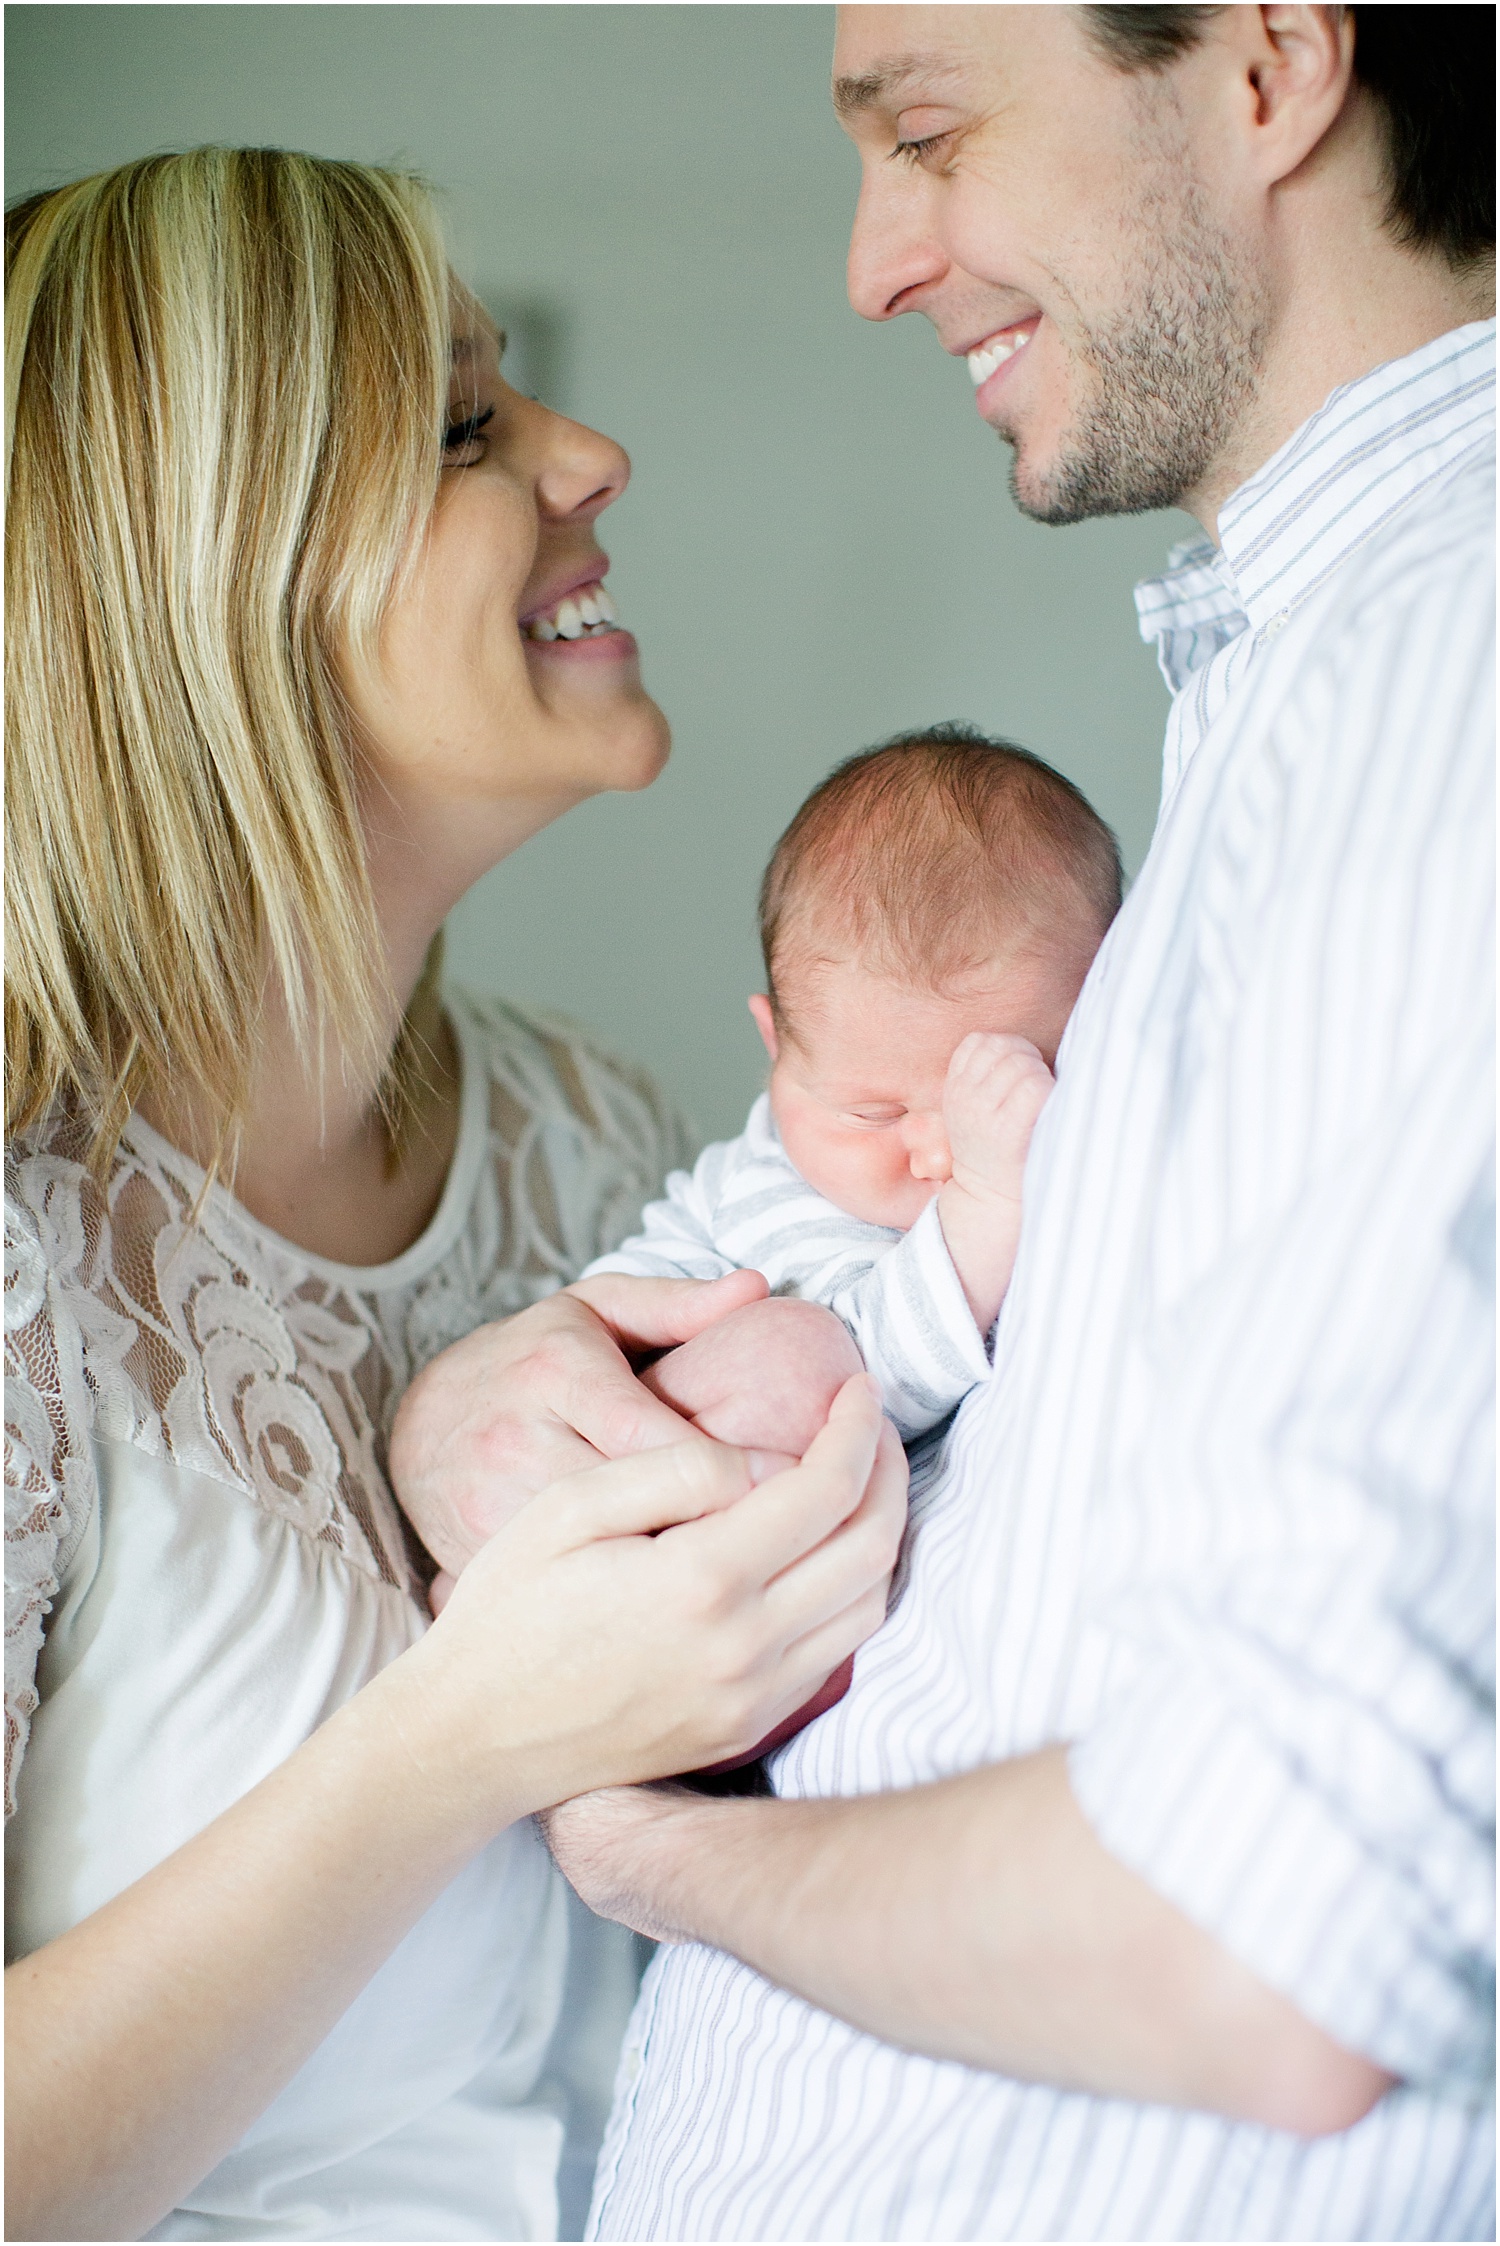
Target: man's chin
[1082, 490]
[1037, 485]
[1038, 495]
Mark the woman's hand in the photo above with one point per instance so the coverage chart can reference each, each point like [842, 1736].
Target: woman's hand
[517, 1405]
[656, 1613]
[652, 1613]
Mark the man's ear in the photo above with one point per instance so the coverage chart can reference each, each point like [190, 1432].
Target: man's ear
[1297, 65]
[765, 1022]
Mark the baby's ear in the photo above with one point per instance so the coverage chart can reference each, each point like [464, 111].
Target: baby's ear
[765, 1021]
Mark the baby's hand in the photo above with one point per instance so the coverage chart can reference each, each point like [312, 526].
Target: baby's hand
[764, 1378]
[997, 1086]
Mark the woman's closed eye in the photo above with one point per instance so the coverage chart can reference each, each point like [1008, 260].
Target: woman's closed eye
[465, 436]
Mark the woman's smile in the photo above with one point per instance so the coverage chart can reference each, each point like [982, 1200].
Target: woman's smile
[579, 622]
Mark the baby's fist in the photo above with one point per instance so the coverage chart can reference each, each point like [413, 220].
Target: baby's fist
[997, 1086]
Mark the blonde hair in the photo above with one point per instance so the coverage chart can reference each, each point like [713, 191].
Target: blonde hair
[226, 373]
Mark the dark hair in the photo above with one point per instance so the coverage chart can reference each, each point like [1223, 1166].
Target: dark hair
[920, 850]
[1432, 71]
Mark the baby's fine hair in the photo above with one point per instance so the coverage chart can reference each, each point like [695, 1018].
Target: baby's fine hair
[931, 850]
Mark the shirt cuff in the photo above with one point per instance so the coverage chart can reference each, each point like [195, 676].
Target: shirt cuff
[1386, 1949]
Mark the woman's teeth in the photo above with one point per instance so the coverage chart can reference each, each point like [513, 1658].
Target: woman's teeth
[583, 615]
[984, 359]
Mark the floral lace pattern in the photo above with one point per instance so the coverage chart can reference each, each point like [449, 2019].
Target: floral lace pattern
[146, 1311]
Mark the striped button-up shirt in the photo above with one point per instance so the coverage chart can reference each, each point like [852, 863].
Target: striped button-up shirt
[1219, 1516]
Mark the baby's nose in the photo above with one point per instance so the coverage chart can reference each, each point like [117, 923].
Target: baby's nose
[927, 1149]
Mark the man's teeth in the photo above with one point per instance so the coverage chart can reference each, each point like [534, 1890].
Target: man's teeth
[583, 615]
[987, 356]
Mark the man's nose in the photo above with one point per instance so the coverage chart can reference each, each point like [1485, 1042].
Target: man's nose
[927, 1148]
[892, 251]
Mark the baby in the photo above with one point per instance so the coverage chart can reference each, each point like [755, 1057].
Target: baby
[927, 922]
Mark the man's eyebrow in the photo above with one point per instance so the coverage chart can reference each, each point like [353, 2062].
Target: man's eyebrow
[851, 95]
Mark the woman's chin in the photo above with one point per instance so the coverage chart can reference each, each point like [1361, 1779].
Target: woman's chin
[621, 739]
[637, 756]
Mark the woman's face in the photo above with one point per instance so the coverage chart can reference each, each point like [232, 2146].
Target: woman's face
[500, 683]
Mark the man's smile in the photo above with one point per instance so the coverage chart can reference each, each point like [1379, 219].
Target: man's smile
[986, 359]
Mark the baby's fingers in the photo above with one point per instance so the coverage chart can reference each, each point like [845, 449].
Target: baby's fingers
[984, 1051]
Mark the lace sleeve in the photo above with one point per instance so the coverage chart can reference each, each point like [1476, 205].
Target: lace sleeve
[49, 1468]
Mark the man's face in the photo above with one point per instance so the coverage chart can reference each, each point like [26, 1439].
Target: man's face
[1064, 226]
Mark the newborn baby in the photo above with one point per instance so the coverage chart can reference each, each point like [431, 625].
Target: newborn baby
[927, 921]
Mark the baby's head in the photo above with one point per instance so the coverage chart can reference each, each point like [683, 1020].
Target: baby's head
[940, 884]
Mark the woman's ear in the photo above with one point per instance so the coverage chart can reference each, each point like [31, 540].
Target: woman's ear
[765, 1022]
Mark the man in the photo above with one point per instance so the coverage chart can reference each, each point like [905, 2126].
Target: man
[1137, 1888]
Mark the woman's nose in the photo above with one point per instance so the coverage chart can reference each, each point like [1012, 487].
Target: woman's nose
[579, 472]
[927, 1148]
[891, 249]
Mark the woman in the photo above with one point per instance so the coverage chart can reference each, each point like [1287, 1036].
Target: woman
[287, 567]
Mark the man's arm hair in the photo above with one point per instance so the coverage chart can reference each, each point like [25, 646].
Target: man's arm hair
[979, 1920]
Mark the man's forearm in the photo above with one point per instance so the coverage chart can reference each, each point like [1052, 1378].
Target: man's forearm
[979, 1919]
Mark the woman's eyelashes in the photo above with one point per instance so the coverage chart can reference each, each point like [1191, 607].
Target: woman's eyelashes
[464, 435]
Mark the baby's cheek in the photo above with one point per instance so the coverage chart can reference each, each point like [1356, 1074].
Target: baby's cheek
[866, 1174]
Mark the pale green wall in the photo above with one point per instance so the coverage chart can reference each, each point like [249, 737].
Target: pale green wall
[818, 547]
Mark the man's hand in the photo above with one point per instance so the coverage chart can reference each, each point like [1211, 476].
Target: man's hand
[520, 1404]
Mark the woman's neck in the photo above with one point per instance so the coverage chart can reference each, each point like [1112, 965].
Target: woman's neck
[313, 1153]
[312, 1160]
[312, 1157]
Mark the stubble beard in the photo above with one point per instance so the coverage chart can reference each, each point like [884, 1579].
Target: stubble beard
[1167, 379]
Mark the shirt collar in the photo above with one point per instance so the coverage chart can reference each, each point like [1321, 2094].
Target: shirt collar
[1369, 448]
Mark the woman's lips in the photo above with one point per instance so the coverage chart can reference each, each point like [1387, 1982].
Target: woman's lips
[580, 625]
[990, 361]
[613, 646]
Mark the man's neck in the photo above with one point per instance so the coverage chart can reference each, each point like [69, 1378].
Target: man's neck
[1349, 319]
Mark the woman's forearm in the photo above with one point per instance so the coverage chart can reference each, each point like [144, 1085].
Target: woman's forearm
[648, 1615]
[142, 2043]
[977, 1919]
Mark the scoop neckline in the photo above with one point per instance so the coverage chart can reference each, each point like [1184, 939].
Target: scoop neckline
[446, 1221]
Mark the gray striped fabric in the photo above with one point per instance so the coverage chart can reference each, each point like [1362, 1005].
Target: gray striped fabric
[744, 1208]
[1220, 1516]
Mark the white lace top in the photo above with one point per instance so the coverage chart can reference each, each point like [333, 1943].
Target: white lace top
[204, 1560]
